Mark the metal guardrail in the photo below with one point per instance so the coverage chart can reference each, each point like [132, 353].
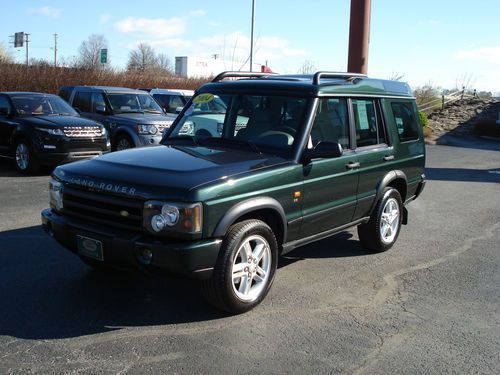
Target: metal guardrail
[446, 99]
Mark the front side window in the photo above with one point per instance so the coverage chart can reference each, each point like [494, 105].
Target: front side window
[4, 105]
[369, 128]
[32, 105]
[331, 123]
[264, 122]
[406, 121]
[133, 103]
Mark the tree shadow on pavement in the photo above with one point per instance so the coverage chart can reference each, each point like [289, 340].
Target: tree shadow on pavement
[463, 174]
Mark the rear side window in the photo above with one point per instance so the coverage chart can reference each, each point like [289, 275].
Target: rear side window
[97, 101]
[369, 127]
[65, 93]
[82, 101]
[406, 121]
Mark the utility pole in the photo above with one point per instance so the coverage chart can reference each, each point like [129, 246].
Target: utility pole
[27, 49]
[55, 50]
[251, 35]
[359, 36]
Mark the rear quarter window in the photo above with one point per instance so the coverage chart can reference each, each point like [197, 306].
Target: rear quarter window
[406, 121]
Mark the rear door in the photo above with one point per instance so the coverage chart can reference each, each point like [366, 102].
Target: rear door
[82, 102]
[373, 151]
[330, 184]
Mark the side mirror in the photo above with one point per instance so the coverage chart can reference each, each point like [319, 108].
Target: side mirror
[77, 110]
[100, 109]
[323, 150]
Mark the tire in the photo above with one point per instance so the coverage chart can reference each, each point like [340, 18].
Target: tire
[123, 142]
[382, 230]
[24, 158]
[249, 249]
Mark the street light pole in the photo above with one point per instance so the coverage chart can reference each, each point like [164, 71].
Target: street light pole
[251, 34]
[359, 36]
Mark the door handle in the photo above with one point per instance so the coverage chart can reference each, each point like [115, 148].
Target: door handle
[352, 165]
[388, 157]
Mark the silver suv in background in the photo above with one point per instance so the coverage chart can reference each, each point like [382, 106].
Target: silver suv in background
[132, 117]
[172, 100]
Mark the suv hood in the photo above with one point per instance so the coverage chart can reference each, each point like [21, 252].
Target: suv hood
[163, 172]
[45, 121]
[140, 118]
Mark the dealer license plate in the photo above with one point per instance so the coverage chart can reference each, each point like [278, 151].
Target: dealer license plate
[89, 247]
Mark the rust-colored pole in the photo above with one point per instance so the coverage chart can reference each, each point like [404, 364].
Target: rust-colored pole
[359, 36]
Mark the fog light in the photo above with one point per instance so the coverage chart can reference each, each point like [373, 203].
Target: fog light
[146, 256]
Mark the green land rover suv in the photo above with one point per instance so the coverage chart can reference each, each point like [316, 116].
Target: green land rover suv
[254, 166]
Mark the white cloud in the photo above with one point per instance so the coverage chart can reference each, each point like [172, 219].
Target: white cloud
[489, 55]
[214, 24]
[154, 28]
[45, 11]
[197, 13]
[162, 43]
[294, 52]
[103, 18]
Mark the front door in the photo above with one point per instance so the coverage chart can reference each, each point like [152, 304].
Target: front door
[6, 125]
[330, 184]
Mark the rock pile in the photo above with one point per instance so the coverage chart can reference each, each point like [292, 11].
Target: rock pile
[461, 116]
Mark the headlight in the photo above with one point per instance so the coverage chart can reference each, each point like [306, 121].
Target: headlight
[104, 131]
[220, 127]
[56, 194]
[163, 217]
[187, 128]
[51, 131]
[146, 129]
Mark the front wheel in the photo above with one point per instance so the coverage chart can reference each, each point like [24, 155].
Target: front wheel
[382, 230]
[26, 161]
[123, 142]
[245, 268]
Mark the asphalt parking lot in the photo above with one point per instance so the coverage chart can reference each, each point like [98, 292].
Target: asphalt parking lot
[431, 304]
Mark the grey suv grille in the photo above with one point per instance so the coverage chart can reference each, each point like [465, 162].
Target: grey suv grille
[82, 131]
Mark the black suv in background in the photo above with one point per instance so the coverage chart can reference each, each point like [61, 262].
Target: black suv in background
[133, 117]
[41, 129]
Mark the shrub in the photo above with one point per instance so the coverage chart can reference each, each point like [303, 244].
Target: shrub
[423, 119]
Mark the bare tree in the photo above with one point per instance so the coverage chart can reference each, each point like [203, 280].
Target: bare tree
[5, 55]
[307, 67]
[465, 81]
[396, 76]
[426, 94]
[143, 58]
[90, 52]
[164, 63]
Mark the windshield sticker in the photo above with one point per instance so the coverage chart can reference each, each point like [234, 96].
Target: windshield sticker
[203, 98]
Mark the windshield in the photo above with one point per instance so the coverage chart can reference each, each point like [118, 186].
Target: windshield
[32, 105]
[131, 102]
[263, 123]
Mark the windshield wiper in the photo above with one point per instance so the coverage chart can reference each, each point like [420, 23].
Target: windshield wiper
[151, 111]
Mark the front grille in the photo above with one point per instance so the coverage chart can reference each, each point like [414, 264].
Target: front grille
[82, 131]
[162, 126]
[103, 208]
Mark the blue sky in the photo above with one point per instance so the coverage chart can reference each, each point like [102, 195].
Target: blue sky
[428, 41]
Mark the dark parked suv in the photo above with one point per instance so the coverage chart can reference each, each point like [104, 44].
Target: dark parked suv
[295, 159]
[133, 117]
[42, 129]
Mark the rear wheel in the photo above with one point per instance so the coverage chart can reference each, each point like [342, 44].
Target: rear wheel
[26, 161]
[382, 230]
[245, 269]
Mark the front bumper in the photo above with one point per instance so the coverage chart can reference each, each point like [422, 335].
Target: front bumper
[59, 150]
[194, 259]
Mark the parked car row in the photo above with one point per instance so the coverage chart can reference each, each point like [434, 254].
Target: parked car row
[39, 129]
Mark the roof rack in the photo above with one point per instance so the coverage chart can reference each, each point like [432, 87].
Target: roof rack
[347, 76]
[230, 74]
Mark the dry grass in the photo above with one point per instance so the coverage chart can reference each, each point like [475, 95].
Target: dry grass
[45, 78]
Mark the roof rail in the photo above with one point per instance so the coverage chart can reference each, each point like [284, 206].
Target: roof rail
[348, 76]
[230, 74]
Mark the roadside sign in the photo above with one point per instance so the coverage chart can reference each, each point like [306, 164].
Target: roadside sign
[18, 39]
[104, 56]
